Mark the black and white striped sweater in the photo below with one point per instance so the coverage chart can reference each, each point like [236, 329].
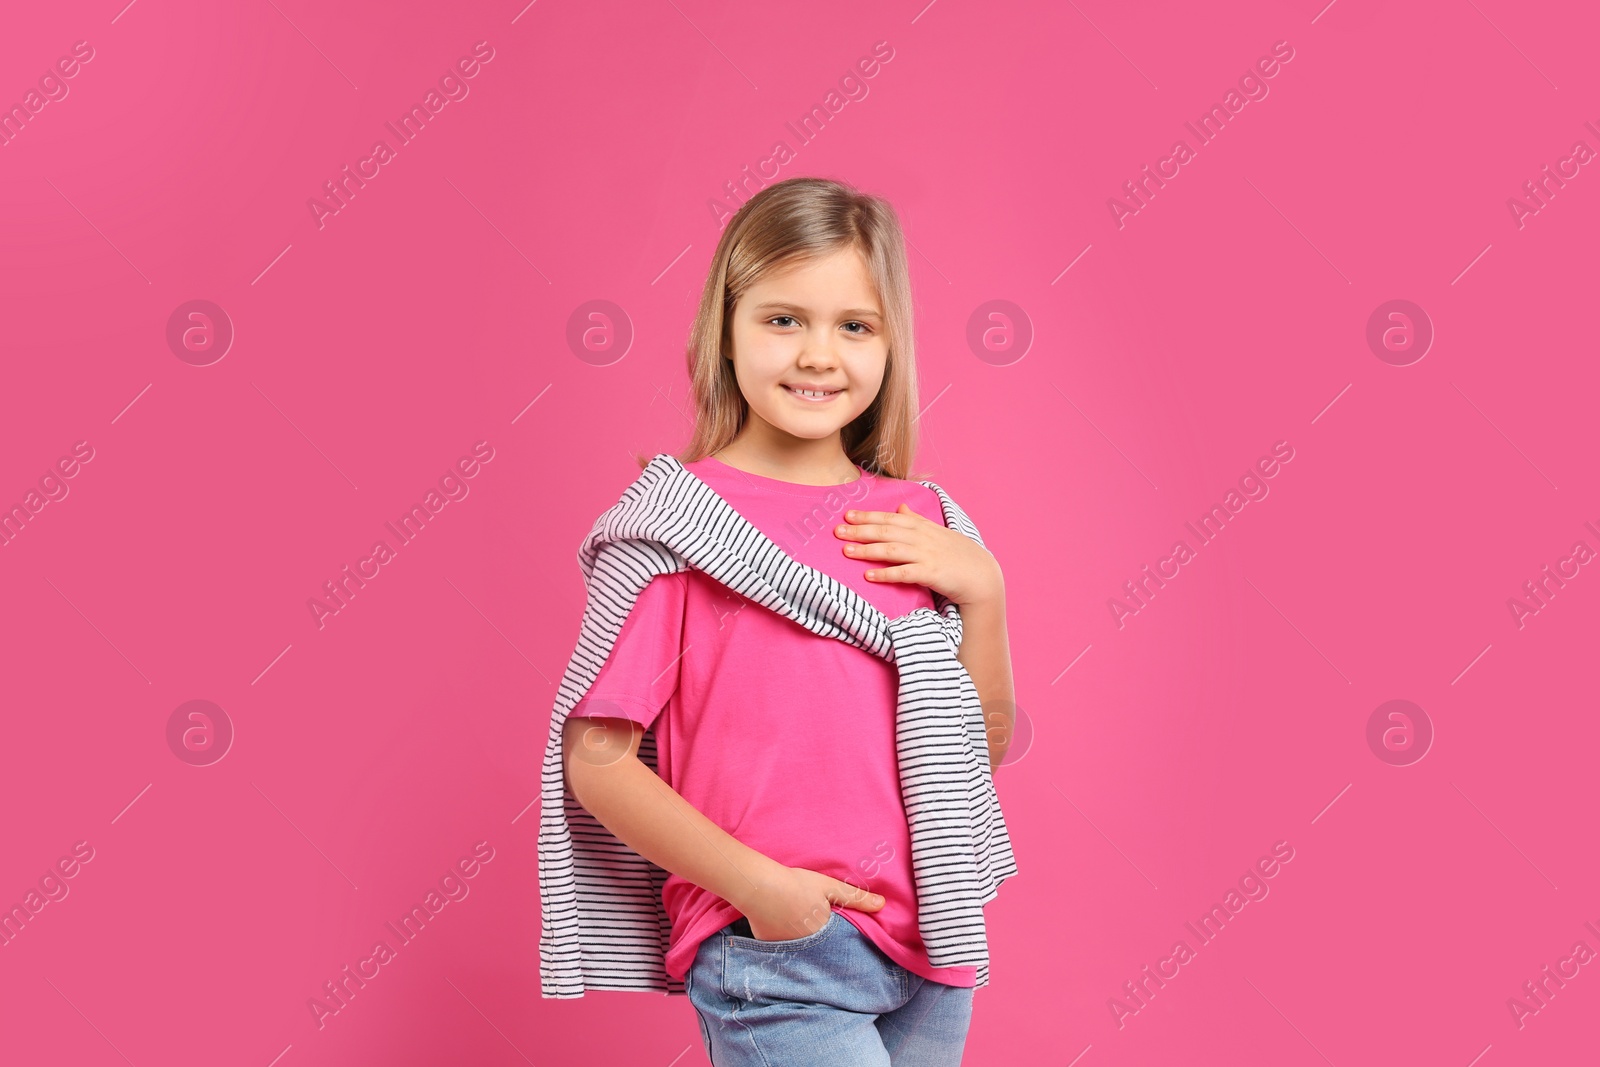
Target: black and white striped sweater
[603, 923]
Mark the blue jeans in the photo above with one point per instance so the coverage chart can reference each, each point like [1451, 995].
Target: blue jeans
[830, 999]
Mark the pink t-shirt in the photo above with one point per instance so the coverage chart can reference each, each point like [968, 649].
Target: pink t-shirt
[782, 737]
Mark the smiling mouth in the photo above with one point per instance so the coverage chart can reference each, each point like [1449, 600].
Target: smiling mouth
[814, 396]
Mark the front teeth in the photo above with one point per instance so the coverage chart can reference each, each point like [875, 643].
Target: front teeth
[807, 392]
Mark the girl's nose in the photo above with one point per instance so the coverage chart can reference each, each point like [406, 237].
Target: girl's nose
[819, 352]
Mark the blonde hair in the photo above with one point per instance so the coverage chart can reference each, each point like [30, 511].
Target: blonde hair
[785, 225]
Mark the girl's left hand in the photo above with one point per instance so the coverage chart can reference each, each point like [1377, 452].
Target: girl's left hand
[925, 553]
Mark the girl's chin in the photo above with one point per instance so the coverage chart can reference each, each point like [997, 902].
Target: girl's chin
[809, 429]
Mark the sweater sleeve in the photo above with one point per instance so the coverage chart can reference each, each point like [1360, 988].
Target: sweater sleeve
[956, 519]
[641, 673]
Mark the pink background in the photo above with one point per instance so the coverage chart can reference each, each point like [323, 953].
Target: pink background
[432, 312]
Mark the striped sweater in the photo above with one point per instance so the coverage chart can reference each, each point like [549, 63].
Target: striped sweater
[603, 923]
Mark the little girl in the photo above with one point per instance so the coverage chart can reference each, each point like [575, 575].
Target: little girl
[771, 789]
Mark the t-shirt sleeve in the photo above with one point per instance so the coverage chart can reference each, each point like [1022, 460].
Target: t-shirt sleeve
[641, 673]
[934, 510]
[927, 504]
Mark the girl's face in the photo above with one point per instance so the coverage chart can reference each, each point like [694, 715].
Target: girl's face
[817, 327]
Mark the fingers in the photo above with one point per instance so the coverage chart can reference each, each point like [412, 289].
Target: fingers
[908, 572]
[902, 525]
[856, 897]
[891, 550]
[883, 518]
[904, 511]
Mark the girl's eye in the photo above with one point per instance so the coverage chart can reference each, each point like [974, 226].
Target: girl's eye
[784, 321]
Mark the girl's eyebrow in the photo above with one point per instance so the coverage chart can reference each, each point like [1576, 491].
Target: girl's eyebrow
[782, 305]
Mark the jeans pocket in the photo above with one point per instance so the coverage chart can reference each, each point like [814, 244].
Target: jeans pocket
[755, 970]
[756, 944]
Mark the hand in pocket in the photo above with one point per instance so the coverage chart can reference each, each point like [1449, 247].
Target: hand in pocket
[798, 902]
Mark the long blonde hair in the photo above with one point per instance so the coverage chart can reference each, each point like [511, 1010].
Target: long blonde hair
[785, 225]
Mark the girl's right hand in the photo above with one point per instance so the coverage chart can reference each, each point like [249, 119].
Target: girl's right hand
[796, 903]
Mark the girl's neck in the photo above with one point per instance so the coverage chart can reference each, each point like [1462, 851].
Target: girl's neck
[823, 468]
